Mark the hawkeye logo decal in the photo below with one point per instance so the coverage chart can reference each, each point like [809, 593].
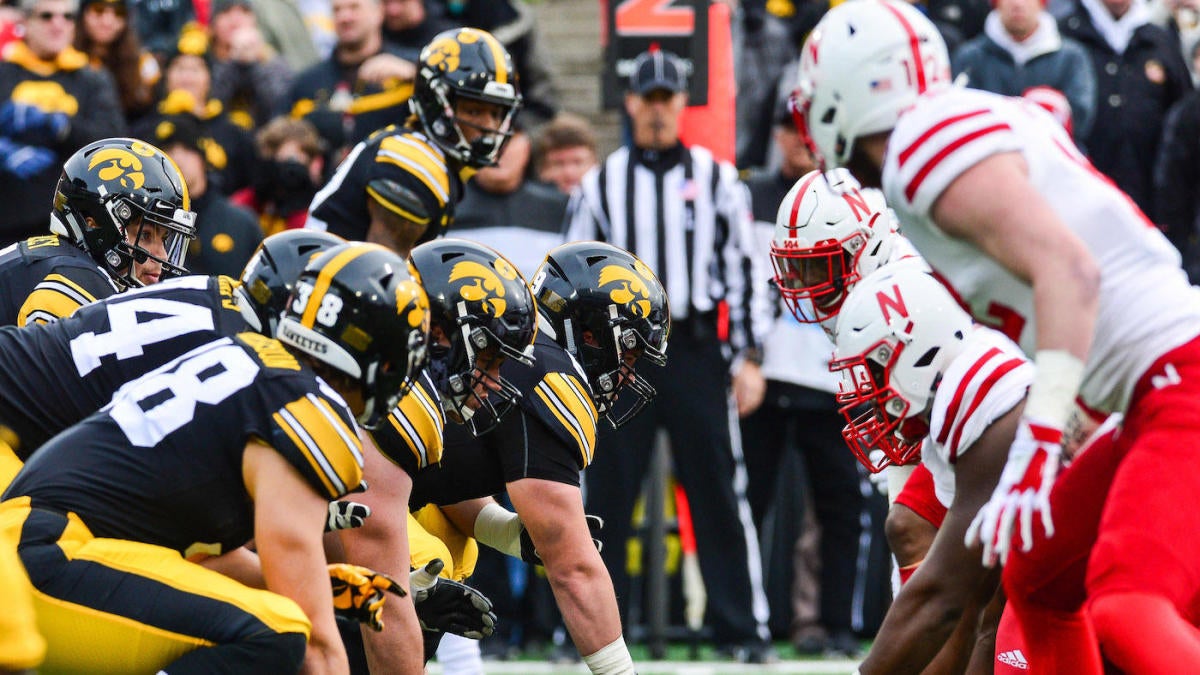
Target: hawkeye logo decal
[444, 54]
[632, 286]
[485, 286]
[121, 165]
[412, 304]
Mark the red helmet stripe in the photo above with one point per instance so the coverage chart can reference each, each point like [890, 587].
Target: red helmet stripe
[796, 203]
[914, 44]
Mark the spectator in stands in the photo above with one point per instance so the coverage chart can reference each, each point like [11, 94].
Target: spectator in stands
[160, 22]
[799, 414]
[187, 85]
[291, 161]
[1139, 75]
[54, 103]
[105, 34]
[408, 25]
[764, 56]
[363, 86]
[249, 76]
[226, 235]
[565, 150]
[1020, 48]
[1177, 181]
[285, 25]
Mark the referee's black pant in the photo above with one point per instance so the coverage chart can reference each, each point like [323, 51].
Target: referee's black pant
[694, 406]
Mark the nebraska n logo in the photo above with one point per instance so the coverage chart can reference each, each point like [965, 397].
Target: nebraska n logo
[887, 303]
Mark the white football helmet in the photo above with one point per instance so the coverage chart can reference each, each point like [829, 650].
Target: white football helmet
[829, 233]
[863, 64]
[897, 333]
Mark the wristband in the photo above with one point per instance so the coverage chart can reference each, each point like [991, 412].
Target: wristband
[499, 528]
[611, 659]
[1052, 394]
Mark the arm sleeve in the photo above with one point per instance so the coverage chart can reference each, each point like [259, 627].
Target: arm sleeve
[318, 436]
[749, 311]
[585, 221]
[62, 292]
[1080, 89]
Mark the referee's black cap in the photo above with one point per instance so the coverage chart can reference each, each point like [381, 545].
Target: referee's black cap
[658, 69]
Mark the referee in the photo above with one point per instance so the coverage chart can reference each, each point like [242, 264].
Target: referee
[688, 217]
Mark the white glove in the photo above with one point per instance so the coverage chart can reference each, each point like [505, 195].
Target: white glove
[880, 478]
[1024, 489]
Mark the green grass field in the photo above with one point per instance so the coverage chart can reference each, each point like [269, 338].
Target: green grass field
[677, 662]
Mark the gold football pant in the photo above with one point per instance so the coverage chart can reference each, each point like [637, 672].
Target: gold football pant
[432, 535]
[116, 606]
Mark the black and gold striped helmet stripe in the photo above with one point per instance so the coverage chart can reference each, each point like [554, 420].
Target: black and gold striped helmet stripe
[325, 278]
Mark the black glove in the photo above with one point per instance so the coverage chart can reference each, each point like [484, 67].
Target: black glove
[530, 555]
[358, 593]
[448, 606]
[346, 515]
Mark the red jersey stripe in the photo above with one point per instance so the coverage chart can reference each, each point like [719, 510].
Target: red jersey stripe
[961, 392]
[1004, 369]
[946, 152]
[916, 145]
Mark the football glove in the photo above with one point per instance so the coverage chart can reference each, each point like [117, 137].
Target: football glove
[25, 161]
[346, 515]
[448, 606]
[1023, 490]
[530, 555]
[358, 593]
[30, 124]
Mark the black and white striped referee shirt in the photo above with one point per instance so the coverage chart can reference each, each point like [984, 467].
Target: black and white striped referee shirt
[688, 217]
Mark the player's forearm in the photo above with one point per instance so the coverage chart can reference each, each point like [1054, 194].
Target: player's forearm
[586, 598]
[917, 625]
[1066, 301]
[240, 564]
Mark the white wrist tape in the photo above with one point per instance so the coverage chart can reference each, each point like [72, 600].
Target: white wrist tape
[499, 528]
[1052, 394]
[611, 659]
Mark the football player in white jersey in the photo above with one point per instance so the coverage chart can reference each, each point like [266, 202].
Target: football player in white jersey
[1036, 242]
[829, 234]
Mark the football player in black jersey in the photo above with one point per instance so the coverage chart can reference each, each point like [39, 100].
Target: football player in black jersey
[244, 437]
[53, 376]
[464, 104]
[121, 218]
[483, 315]
[599, 305]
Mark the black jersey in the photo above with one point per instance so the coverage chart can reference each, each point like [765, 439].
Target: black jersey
[162, 463]
[53, 376]
[412, 437]
[46, 278]
[551, 435]
[341, 206]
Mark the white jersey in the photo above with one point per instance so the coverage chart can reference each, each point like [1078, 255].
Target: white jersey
[1146, 307]
[986, 380]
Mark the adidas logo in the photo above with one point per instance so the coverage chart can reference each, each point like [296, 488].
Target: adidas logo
[1014, 658]
[1169, 377]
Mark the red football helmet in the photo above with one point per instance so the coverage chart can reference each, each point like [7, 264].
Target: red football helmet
[829, 233]
[897, 333]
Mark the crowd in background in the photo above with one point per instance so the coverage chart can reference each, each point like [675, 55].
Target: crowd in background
[258, 101]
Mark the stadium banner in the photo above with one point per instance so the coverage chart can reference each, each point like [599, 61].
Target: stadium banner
[679, 26]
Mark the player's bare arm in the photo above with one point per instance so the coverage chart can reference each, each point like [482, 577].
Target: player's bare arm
[286, 516]
[382, 544]
[995, 206]
[931, 604]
